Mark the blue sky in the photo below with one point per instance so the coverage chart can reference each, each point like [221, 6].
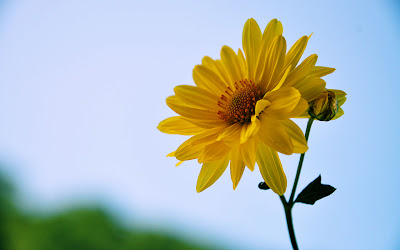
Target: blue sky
[83, 87]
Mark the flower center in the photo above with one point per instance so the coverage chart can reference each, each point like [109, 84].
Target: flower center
[239, 104]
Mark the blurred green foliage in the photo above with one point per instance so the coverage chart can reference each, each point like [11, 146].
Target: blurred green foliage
[89, 228]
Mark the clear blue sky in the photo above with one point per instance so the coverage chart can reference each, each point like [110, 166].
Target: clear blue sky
[83, 87]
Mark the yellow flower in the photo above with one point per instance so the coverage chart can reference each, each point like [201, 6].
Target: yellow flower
[239, 110]
[327, 105]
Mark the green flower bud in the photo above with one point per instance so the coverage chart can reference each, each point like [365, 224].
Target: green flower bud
[324, 107]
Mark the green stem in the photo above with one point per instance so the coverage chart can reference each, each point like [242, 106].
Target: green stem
[289, 220]
[296, 180]
[288, 205]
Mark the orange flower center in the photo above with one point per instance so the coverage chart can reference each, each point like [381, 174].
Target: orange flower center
[239, 104]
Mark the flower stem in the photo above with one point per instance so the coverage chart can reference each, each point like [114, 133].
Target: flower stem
[288, 214]
[288, 205]
[296, 180]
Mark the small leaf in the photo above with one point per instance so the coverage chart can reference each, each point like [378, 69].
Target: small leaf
[263, 186]
[314, 191]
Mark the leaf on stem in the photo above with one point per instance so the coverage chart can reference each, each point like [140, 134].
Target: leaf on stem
[263, 186]
[314, 191]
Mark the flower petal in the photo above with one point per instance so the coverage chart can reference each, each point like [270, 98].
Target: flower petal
[273, 63]
[283, 102]
[192, 113]
[310, 88]
[249, 129]
[214, 151]
[260, 106]
[275, 137]
[192, 147]
[206, 78]
[271, 169]
[303, 115]
[320, 71]
[282, 80]
[242, 62]
[251, 42]
[237, 166]
[301, 71]
[231, 135]
[248, 153]
[207, 124]
[231, 61]
[210, 172]
[301, 107]
[273, 29]
[187, 152]
[294, 54]
[218, 67]
[197, 97]
[296, 135]
[177, 125]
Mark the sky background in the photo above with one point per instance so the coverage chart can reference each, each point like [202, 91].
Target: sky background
[83, 87]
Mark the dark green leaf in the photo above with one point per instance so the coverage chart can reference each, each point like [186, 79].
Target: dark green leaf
[314, 191]
[263, 186]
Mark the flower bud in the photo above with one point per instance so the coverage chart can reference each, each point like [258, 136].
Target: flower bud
[324, 107]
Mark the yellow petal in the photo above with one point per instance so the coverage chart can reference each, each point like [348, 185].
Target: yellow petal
[192, 113]
[301, 108]
[282, 80]
[294, 54]
[187, 152]
[242, 62]
[310, 88]
[207, 137]
[237, 166]
[231, 135]
[251, 41]
[283, 102]
[296, 135]
[197, 97]
[301, 71]
[303, 115]
[271, 169]
[172, 154]
[207, 124]
[210, 172]
[179, 163]
[206, 78]
[273, 135]
[214, 151]
[192, 147]
[177, 125]
[218, 67]
[260, 106]
[273, 29]
[320, 71]
[248, 153]
[273, 63]
[232, 64]
[249, 129]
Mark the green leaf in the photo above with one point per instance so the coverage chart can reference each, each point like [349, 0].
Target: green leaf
[263, 186]
[314, 191]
